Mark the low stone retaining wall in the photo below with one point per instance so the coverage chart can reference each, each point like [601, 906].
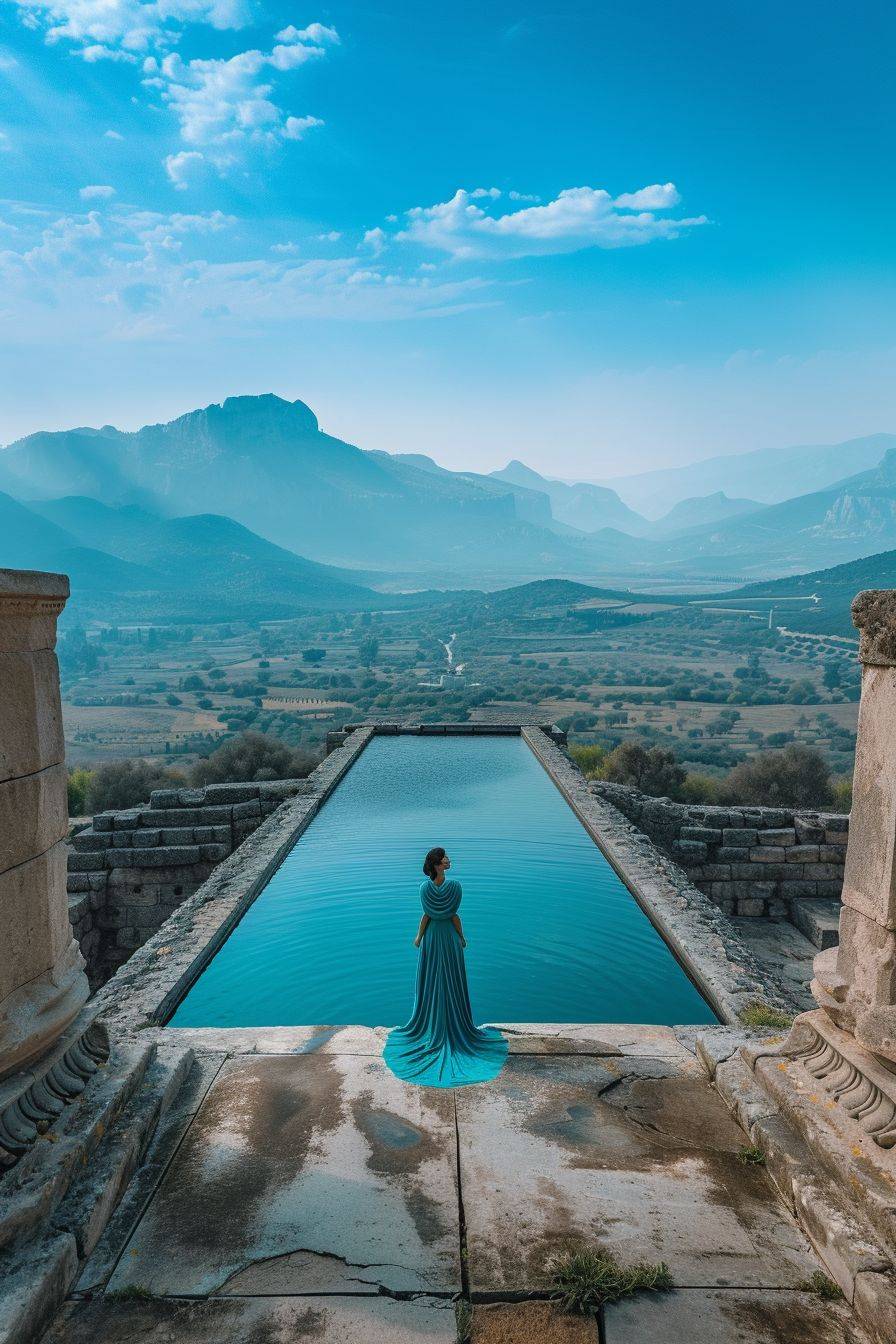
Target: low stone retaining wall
[749, 860]
[129, 870]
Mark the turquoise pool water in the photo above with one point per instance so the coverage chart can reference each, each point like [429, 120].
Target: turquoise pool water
[553, 934]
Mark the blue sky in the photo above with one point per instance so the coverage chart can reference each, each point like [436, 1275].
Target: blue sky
[598, 237]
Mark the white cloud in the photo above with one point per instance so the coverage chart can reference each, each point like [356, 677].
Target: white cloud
[522, 196]
[580, 217]
[479, 193]
[222, 105]
[332, 237]
[655, 197]
[315, 32]
[374, 241]
[184, 168]
[4, 142]
[107, 29]
[7, 61]
[285, 249]
[96, 193]
[127, 274]
[112, 135]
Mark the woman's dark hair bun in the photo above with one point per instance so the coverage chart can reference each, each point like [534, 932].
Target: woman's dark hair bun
[432, 860]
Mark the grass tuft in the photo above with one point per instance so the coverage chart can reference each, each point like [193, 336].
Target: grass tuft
[133, 1292]
[822, 1286]
[751, 1155]
[582, 1280]
[463, 1315]
[761, 1014]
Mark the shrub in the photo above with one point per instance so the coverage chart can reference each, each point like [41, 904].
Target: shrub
[589, 757]
[798, 776]
[653, 770]
[78, 786]
[699, 789]
[127, 783]
[761, 1014]
[251, 757]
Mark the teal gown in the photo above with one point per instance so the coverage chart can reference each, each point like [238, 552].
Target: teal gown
[441, 1046]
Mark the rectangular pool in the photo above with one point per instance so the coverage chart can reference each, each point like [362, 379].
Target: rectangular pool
[553, 934]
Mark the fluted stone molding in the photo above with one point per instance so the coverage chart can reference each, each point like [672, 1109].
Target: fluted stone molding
[42, 980]
[855, 983]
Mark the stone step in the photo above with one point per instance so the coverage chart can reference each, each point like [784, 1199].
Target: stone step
[819, 920]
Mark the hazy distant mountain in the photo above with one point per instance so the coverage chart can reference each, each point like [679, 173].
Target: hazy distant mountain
[265, 462]
[583, 506]
[194, 565]
[853, 518]
[700, 512]
[768, 474]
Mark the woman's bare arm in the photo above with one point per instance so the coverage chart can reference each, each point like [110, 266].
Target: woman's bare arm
[422, 929]
[455, 920]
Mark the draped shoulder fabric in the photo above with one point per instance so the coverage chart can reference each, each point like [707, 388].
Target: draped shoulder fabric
[441, 1046]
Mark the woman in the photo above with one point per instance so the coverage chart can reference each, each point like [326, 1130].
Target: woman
[441, 1046]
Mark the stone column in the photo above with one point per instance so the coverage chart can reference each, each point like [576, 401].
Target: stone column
[42, 981]
[855, 983]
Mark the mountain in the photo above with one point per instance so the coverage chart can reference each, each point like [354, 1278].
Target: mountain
[770, 475]
[150, 564]
[850, 519]
[266, 463]
[831, 590]
[583, 506]
[700, 512]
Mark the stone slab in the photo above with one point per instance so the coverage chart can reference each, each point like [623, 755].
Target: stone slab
[530, 1323]
[31, 734]
[639, 1155]
[271, 1320]
[305, 1174]
[525, 1038]
[730, 1316]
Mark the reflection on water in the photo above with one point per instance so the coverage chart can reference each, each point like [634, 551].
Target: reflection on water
[553, 935]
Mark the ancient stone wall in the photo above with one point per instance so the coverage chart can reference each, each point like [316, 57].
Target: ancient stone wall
[768, 861]
[131, 869]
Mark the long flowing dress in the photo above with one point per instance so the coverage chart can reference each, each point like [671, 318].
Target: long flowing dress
[441, 1046]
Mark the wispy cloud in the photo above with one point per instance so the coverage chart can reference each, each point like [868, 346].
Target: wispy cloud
[579, 217]
[130, 274]
[124, 29]
[96, 193]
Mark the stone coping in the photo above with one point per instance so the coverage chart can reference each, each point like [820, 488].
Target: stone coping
[36, 584]
[147, 988]
[702, 938]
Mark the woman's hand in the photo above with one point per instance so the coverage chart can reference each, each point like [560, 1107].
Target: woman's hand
[417, 942]
[463, 941]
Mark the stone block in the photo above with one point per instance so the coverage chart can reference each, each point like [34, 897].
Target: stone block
[77, 882]
[730, 854]
[751, 905]
[33, 815]
[809, 831]
[779, 836]
[163, 856]
[31, 738]
[177, 835]
[163, 798]
[749, 890]
[874, 1301]
[767, 854]
[33, 920]
[144, 916]
[798, 889]
[830, 887]
[740, 836]
[128, 938]
[824, 872]
[126, 821]
[88, 841]
[122, 839]
[242, 811]
[832, 853]
[716, 872]
[689, 851]
[103, 821]
[777, 909]
[87, 863]
[835, 828]
[230, 793]
[706, 834]
[801, 854]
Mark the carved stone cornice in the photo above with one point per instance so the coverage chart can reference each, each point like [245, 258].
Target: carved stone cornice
[874, 615]
[31, 1102]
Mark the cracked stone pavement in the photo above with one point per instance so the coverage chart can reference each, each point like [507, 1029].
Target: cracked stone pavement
[298, 1191]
